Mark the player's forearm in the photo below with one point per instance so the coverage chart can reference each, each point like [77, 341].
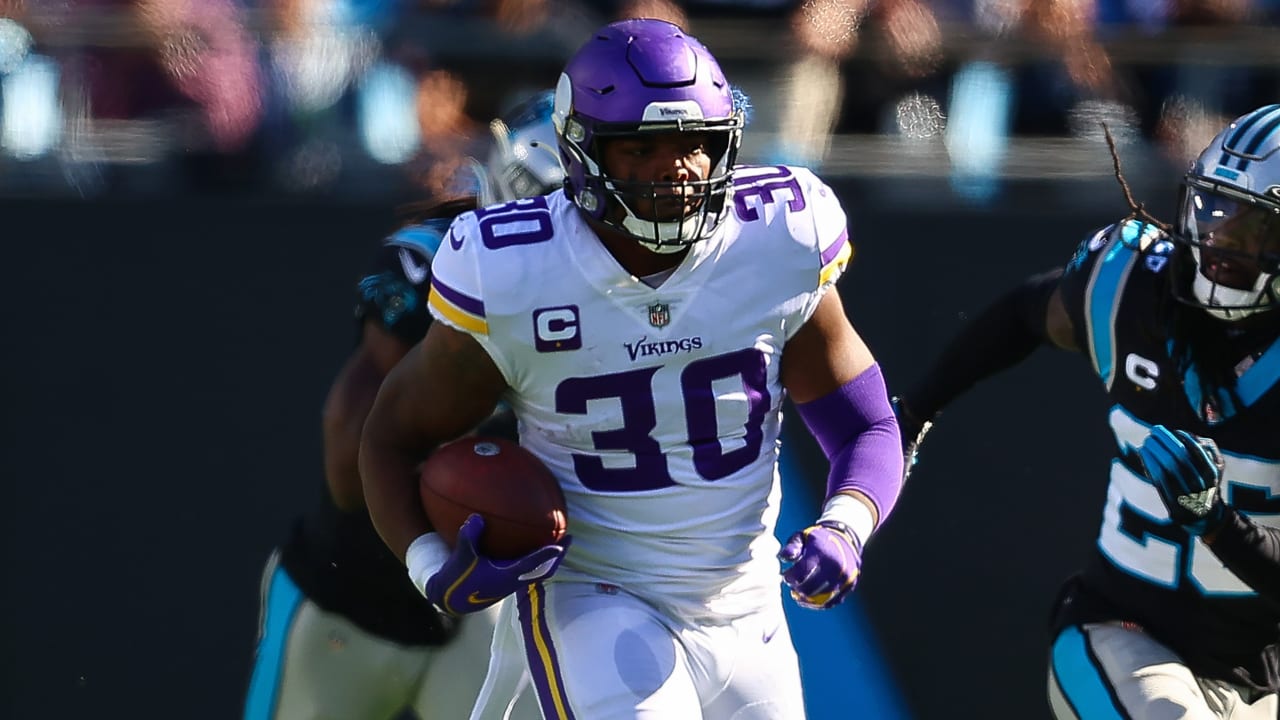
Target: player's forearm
[1249, 550]
[1002, 336]
[857, 430]
[341, 467]
[389, 475]
[346, 407]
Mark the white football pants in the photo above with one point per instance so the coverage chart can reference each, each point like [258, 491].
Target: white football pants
[595, 652]
[1108, 671]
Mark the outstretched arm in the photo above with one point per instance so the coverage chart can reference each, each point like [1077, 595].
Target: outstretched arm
[1003, 335]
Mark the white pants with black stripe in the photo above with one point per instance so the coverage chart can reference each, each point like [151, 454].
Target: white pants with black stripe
[1115, 671]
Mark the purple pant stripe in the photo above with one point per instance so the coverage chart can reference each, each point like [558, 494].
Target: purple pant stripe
[544, 665]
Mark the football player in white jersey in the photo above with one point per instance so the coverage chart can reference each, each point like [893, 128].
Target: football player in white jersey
[645, 324]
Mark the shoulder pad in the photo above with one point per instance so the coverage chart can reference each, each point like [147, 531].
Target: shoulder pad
[1122, 240]
[1115, 253]
[1138, 234]
[813, 214]
[484, 261]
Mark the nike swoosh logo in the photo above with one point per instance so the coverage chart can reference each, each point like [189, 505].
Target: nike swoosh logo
[770, 632]
[475, 599]
[414, 270]
[454, 241]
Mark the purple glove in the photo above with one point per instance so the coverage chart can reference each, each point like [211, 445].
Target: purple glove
[469, 581]
[825, 560]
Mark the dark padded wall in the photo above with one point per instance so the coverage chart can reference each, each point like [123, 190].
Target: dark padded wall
[164, 366]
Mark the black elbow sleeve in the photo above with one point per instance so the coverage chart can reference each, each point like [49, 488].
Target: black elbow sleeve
[1001, 336]
[1031, 300]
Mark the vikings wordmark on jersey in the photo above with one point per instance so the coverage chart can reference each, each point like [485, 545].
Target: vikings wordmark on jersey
[590, 352]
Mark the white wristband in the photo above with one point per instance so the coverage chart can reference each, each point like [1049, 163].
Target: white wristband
[424, 558]
[852, 513]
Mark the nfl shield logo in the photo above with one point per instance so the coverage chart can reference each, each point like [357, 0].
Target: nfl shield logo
[659, 314]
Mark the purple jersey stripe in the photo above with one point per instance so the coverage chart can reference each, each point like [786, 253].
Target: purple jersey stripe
[540, 652]
[463, 302]
[831, 252]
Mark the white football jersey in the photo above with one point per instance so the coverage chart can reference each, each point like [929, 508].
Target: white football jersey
[657, 408]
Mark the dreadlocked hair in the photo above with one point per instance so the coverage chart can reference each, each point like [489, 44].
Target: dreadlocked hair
[1136, 210]
[1196, 339]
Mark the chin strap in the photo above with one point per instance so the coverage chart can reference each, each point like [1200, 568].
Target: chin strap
[664, 238]
[666, 248]
[1228, 302]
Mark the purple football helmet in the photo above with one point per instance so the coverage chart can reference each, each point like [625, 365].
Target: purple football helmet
[645, 76]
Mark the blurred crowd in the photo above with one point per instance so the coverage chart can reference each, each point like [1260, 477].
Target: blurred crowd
[306, 95]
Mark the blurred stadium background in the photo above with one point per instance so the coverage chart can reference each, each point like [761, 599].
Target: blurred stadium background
[188, 189]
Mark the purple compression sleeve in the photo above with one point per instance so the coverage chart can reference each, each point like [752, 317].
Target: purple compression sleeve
[858, 432]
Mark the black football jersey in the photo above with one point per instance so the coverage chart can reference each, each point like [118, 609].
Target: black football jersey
[1146, 569]
[337, 558]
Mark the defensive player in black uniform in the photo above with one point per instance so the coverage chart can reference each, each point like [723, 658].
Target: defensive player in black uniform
[344, 634]
[1177, 614]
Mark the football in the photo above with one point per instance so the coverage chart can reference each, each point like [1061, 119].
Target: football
[521, 501]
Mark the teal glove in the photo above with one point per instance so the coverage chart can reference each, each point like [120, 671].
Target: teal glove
[1186, 471]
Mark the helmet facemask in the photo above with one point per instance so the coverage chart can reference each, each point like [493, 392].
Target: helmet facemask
[1232, 239]
[617, 203]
